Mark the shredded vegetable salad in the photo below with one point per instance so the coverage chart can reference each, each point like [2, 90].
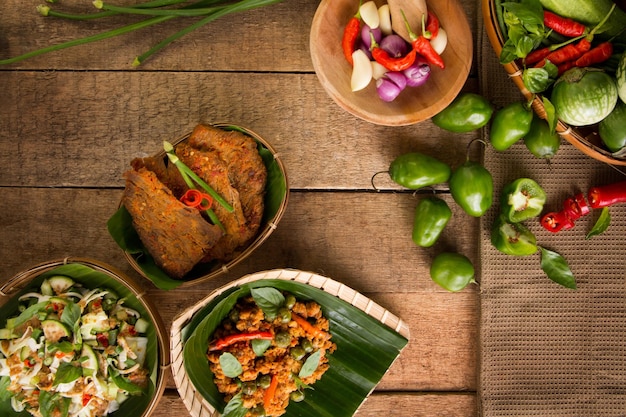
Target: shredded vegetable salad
[73, 351]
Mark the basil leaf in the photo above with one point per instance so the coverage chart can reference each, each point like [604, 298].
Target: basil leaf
[230, 365]
[556, 268]
[601, 224]
[67, 372]
[259, 346]
[71, 314]
[5, 394]
[270, 300]
[51, 405]
[529, 12]
[536, 80]
[550, 113]
[508, 52]
[235, 407]
[123, 383]
[64, 346]
[310, 365]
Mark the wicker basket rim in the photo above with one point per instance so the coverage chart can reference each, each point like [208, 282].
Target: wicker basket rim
[569, 133]
[20, 280]
[261, 237]
[196, 404]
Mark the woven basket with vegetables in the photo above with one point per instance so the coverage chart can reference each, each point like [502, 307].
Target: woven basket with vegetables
[569, 59]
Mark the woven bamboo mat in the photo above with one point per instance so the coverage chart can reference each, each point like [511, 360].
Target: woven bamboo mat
[546, 350]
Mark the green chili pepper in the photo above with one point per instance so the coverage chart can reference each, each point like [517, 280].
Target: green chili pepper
[431, 217]
[510, 124]
[467, 112]
[471, 186]
[452, 271]
[522, 199]
[512, 238]
[415, 170]
[540, 140]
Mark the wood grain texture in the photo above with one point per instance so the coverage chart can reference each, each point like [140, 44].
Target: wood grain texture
[72, 121]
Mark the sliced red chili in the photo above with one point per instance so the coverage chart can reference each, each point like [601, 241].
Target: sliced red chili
[192, 198]
[239, 337]
[555, 221]
[607, 195]
[575, 207]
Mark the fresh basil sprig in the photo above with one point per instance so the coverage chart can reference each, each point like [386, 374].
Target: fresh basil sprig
[526, 30]
[270, 300]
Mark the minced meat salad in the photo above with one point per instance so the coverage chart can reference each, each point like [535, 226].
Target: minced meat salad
[72, 352]
[268, 351]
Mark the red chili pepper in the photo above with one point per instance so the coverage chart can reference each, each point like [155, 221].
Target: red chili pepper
[239, 337]
[568, 52]
[432, 26]
[556, 221]
[103, 339]
[606, 195]
[422, 46]
[596, 55]
[29, 362]
[575, 207]
[350, 35]
[392, 63]
[86, 399]
[561, 68]
[309, 328]
[563, 25]
[196, 199]
[537, 55]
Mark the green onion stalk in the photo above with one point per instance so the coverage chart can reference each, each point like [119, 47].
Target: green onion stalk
[191, 179]
[154, 12]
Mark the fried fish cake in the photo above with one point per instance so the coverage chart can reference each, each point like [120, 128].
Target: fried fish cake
[176, 236]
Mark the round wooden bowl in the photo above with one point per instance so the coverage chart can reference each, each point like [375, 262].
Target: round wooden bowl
[207, 271]
[585, 139]
[102, 275]
[413, 105]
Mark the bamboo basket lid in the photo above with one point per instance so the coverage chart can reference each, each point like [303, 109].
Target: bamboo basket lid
[22, 280]
[585, 139]
[196, 404]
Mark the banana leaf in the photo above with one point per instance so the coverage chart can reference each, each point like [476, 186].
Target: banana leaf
[90, 278]
[121, 229]
[365, 350]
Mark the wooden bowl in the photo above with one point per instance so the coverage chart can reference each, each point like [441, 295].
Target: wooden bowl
[94, 274]
[585, 139]
[413, 105]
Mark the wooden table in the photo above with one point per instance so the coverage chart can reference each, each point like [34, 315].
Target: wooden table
[72, 120]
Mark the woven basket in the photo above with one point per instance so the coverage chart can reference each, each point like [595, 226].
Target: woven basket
[196, 404]
[22, 280]
[204, 273]
[585, 139]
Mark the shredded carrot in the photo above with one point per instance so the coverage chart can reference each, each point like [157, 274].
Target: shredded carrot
[308, 327]
[270, 392]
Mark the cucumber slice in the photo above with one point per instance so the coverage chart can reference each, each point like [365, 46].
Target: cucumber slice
[60, 283]
[54, 330]
[89, 361]
[139, 346]
[6, 334]
[141, 326]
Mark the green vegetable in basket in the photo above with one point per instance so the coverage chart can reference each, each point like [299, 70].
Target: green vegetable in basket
[431, 217]
[612, 129]
[467, 112]
[452, 271]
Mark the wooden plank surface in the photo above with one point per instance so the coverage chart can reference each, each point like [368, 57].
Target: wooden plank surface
[72, 120]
